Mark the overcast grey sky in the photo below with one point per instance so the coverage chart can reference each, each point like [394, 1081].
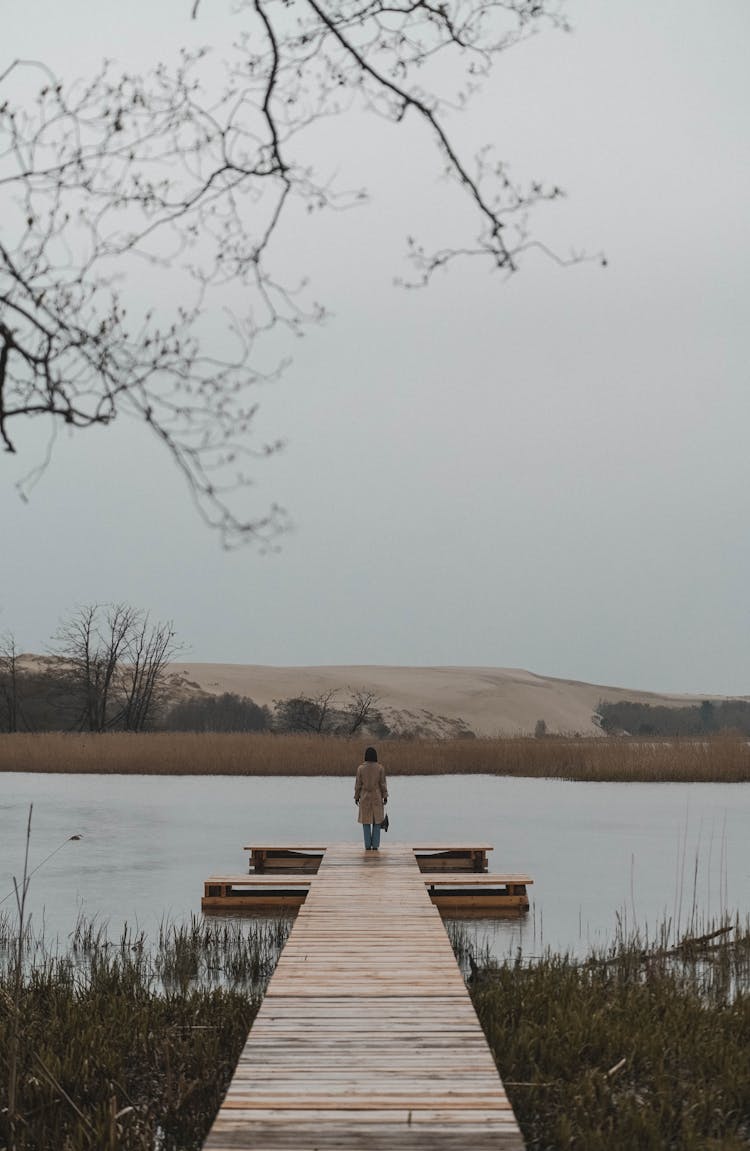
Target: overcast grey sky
[550, 472]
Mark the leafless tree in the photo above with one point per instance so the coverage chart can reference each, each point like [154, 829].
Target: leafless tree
[115, 659]
[92, 643]
[306, 713]
[10, 683]
[323, 709]
[362, 708]
[150, 648]
[98, 177]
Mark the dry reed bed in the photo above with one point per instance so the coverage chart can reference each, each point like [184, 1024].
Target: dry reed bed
[718, 759]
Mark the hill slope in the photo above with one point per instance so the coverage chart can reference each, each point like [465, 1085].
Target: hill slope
[488, 701]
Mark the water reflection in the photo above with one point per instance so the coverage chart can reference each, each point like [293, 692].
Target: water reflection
[647, 852]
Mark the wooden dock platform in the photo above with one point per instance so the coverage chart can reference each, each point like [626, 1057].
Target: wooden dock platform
[456, 878]
[366, 1037]
[451, 892]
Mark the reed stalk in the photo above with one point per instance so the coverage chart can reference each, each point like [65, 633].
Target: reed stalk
[20, 892]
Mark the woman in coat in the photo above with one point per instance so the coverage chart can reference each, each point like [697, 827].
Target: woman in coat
[371, 794]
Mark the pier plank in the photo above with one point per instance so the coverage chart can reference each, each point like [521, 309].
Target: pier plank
[366, 1037]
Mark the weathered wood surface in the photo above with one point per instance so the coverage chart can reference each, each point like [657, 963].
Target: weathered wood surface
[474, 879]
[282, 888]
[444, 879]
[366, 1037]
[321, 847]
[307, 856]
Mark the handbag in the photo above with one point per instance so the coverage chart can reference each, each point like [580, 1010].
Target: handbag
[384, 824]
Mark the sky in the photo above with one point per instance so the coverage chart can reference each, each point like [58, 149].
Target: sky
[549, 471]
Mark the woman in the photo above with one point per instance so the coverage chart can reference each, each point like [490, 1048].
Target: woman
[371, 794]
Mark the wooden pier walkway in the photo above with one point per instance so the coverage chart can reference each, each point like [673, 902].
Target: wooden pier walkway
[366, 1037]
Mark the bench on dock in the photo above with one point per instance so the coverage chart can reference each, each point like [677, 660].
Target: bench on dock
[254, 892]
[451, 856]
[272, 857]
[307, 857]
[457, 891]
[454, 889]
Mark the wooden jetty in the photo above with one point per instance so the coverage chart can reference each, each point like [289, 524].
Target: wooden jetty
[366, 1037]
[455, 877]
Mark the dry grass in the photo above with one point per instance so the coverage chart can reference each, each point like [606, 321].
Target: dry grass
[718, 759]
[128, 1045]
[644, 1046]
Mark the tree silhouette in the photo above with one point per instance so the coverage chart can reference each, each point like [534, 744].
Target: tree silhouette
[102, 177]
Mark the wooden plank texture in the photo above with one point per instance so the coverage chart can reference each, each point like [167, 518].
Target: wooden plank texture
[252, 879]
[366, 1037]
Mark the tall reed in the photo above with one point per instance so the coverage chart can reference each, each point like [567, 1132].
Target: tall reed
[715, 759]
[21, 891]
[129, 1044]
[645, 1045]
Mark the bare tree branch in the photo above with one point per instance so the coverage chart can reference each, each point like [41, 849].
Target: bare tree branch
[363, 704]
[172, 185]
[150, 649]
[10, 679]
[115, 658]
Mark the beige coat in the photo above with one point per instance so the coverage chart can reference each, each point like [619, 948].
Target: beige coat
[370, 792]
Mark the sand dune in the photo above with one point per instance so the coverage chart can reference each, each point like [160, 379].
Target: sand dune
[489, 701]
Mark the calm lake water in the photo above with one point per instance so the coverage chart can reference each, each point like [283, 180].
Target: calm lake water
[645, 851]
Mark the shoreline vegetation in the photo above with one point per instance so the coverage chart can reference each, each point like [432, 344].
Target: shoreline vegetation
[713, 759]
[126, 1045]
[641, 1045]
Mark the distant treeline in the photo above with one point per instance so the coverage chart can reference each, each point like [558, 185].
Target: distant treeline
[332, 713]
[54, 697]
[108, 671]
[52, 700]
[707, 718]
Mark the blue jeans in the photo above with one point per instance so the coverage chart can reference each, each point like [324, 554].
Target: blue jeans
[372, 835]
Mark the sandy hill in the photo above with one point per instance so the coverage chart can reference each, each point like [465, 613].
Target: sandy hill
[488, 701]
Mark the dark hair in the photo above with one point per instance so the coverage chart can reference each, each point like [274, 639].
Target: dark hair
[371, 756]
